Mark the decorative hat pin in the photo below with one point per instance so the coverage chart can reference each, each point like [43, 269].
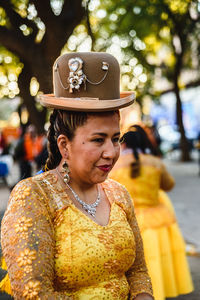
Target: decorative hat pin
[77, 77]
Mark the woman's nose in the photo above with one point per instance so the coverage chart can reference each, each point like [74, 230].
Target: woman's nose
[109, 150]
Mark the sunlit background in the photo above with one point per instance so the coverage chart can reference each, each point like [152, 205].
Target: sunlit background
[147, 57]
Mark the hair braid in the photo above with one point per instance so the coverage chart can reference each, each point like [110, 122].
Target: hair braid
[132, 141]
[54, 153]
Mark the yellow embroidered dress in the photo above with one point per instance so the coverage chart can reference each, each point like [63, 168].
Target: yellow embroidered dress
[164, 246]
[55, 251]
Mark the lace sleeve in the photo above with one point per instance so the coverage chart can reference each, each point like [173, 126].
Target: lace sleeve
[137, 276]
[28, 244]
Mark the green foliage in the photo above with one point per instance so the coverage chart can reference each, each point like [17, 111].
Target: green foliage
[10, 68]
[158, 33]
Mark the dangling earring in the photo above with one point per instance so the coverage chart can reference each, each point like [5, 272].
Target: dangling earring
[65, 169]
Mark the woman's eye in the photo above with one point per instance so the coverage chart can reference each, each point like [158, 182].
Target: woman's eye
[116, 140]
[98, 140]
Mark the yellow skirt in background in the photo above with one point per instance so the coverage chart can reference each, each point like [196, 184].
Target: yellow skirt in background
[164, 250]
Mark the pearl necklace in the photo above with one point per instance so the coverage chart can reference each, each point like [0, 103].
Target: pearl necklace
[89, 208]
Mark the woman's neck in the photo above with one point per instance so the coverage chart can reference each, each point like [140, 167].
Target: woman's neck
[82, 187]
[84, 190]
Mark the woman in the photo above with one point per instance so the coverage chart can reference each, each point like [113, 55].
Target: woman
[69, 233]
[144, 174]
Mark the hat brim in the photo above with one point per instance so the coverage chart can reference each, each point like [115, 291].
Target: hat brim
[87, 104]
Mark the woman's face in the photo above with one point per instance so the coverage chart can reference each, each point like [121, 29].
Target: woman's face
[94, 149]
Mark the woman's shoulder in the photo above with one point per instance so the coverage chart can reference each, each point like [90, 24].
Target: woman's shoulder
[118, 193]
[113, 185]
[47, 176]
[24, 186]
[32, 182]
[30, 189]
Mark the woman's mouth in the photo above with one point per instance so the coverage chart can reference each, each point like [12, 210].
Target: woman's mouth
[105, 168]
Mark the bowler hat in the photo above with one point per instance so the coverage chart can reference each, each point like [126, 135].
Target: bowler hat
[87, 81]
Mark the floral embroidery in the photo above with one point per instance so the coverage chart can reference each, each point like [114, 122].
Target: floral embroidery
[26, 257]
[114, 289]
[118, 247]
[23, 224]
[113, 265]
[106, 239]
[28, 269]
[20, 195]
[31, 290]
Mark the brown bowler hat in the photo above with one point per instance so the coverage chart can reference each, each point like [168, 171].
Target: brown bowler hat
[87, 81]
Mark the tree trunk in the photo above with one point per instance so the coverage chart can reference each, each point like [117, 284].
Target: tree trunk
[184, 146]
[36, 117]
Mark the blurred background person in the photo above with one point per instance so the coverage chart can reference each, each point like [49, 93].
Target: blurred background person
[28, 147]
[144, 174]
[42, 156]
[6, 160]
[154, 137]
[2, 143]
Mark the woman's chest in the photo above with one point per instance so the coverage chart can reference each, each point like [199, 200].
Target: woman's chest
[87, 251]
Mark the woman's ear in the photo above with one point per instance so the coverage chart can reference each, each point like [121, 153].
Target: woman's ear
[62, 142]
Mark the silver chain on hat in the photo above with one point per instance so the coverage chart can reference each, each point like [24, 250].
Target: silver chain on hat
[89, 208]
[77, 77]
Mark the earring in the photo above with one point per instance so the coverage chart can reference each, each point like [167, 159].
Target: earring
[65, 169]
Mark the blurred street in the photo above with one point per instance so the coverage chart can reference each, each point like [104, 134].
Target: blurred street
[185, 198]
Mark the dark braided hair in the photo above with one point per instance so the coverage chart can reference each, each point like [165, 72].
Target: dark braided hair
[144, 141]
[64, 122]
[61, 122]
[137, 140]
